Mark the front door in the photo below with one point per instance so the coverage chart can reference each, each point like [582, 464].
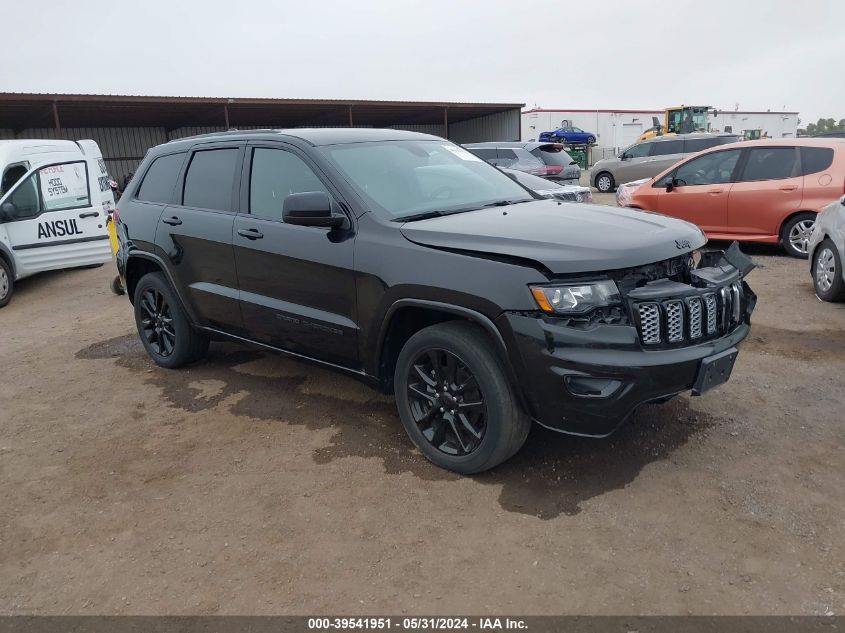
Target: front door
[297, 286]
[52, 220]
[700, 190]
[195, 234]
[633, 163]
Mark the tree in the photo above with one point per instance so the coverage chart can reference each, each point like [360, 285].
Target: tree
[825, 125]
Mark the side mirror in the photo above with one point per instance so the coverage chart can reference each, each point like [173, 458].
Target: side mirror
[7, 211]
[623, 156]
[670, 185]
[312, 208]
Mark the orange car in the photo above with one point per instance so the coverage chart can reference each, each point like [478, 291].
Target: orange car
[755, 191]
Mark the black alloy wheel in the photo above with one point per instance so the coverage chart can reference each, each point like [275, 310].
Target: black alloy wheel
[157, 322]
[446, 402]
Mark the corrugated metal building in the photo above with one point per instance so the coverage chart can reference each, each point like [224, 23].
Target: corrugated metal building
[125, 127]
[617, 129]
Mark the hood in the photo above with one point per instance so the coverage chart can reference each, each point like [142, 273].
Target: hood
[563, 237]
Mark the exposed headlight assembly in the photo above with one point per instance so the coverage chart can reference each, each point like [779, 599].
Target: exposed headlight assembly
[576, 298]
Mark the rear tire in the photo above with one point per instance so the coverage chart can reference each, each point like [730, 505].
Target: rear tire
[455, 400]
[605, 182]
[827, 272]
[117, 286]
[591, 140]
[163, 326]
[795, 234]
[7, 283]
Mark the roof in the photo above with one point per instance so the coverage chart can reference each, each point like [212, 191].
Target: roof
[315, 136]
[30, 110]
[669, 137]
[624, 111]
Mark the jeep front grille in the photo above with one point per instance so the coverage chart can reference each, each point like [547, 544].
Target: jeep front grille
[677, 320]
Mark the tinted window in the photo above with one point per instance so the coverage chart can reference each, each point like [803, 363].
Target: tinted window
[507, 153]
[770, 163]
[551, 156]
[815, 159]
[487, 153]
[693, 145]
[208, 183]
[664, 148]
[709, 169]
[158, 184]
[638, 151]
[26, 199]
[275, 175]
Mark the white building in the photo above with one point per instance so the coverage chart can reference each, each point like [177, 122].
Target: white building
[616, 129]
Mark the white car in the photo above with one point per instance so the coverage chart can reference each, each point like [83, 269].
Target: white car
[55, 197]
[827, 252]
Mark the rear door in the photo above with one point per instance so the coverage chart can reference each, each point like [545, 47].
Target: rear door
[768, 189]
[297, 284]
[700, 190]
[195, 234]
[52, 220]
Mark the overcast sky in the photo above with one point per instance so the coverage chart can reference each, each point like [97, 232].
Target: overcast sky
[555, 54]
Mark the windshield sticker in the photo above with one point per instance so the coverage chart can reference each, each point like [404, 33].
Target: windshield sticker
[461, 153]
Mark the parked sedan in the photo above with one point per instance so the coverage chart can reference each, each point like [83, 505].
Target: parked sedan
[548, 189]
[755, 191]
[557, 164]
[649, 158]
[827, 246]
[570, 135]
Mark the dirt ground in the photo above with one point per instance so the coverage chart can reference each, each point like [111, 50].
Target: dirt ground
[250, 483]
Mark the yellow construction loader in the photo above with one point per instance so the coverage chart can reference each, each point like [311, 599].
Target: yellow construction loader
[680, 120]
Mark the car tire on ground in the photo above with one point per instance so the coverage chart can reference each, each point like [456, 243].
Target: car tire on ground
[455, 400]
[795, 234]
[604, 182]
[163, 326]
[117, 286]
[827, 272]
[7, 283]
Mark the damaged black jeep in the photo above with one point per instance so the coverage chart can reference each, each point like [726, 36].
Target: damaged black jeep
[404, 260]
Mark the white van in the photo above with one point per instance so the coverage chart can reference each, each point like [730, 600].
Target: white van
[55, 197]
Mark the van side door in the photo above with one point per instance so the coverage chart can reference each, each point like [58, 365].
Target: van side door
[53, 221]
[663, 155]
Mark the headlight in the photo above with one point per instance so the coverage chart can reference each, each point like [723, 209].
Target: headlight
[576, 298]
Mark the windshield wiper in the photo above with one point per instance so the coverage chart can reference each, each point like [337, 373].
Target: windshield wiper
[419, 216]
[435, 214]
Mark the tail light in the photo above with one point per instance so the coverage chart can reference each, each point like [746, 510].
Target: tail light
[547, 170]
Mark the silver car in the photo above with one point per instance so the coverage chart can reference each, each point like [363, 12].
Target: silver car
[555, 164]
[549, 189]
[649, 158]
[827, 252]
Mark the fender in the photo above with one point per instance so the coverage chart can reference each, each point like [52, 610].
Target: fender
[139, 254]
[471, 315]
[7, 255]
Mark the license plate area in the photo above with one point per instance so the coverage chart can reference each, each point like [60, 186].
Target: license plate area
[714, 371]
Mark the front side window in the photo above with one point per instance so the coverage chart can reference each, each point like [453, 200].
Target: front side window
[26, 199]
[640, 150]
[771, 163]
[12, 174]
[716, 167]
[276, 174]
[160, 179]
[210, 178]
[404, 178]
[664, 148]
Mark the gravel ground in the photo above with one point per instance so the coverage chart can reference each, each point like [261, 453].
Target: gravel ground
[250, 483]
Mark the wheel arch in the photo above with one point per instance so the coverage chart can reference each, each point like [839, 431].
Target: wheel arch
[139, 264]
[6, 254]
[785, 220]
[405, 317]
[604, 171]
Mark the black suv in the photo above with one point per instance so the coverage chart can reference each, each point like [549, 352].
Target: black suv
[405, 260]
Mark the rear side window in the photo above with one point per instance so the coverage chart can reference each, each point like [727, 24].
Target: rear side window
[693, 145]
[551, 156]
[770, 163]
[208, 183]
[484, 153]
[160, 179]
[815, 159]
[664, 148]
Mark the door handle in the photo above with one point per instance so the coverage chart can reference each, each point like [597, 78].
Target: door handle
[715, 191]
[789, 188]
[89, 214]
[172, 221]
[251, 234]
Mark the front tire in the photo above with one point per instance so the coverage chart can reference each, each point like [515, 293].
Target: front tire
[591, 140]
[7, 283]
[605, 182]
[163, 326]
[795, 235]
[827, 272]
[455, 401]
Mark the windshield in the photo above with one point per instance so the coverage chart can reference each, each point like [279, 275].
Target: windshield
[408, 178]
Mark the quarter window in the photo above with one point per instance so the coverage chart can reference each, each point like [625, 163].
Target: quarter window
[815, 159]
[160, 179]
[275, 175]
[209, 181]
[771, 163]
[716, 167]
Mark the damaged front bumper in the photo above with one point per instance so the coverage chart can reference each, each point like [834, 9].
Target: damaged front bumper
[587, 380]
